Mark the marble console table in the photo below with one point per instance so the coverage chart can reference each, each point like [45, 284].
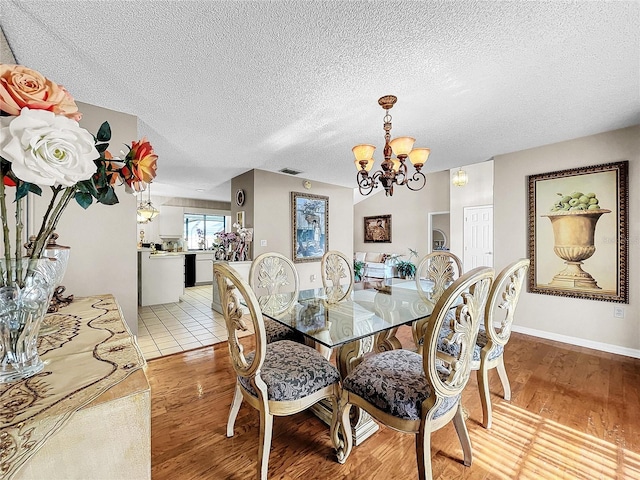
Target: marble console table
[88, 413]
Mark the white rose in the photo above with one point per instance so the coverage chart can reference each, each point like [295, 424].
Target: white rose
[47, 149]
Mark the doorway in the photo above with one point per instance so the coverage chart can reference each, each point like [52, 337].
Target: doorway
[438, 231]
[478, 237]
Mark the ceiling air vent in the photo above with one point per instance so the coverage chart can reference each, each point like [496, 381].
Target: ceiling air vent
[290, 171]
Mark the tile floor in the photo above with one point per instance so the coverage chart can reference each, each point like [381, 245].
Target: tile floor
[178, 327]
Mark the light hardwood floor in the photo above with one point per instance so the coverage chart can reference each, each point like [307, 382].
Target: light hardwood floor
[574, 414]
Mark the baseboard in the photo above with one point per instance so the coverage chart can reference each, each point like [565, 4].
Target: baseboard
[580, 342]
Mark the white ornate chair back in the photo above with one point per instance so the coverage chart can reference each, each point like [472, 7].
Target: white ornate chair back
[439, 269]
[230, 285]
[449, 373]
[502, 302]
[274, 279]
[337, 275]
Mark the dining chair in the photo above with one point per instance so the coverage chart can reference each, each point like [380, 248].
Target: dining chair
[420, 393]
[337, 275]
[274, 279]
[496, 331]
[278, 379]
[435, 272]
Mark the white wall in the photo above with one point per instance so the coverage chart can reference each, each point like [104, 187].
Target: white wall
[103, 237]
[409, 214]
[478, 192]
[578, 321]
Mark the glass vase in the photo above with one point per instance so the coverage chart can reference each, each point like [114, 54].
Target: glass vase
[22, 308]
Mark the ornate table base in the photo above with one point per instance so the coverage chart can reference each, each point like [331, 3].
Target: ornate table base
[348, 357]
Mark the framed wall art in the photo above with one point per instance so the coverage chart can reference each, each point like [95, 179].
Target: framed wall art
[240, 218]
[578, 232]
[377, 229]
[310, 221]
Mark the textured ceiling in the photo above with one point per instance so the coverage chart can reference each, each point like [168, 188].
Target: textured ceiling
[223, 87]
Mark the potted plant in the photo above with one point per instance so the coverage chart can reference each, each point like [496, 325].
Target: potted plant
[358, 268]
[406, 268]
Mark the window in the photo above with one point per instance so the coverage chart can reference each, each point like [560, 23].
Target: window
[200, 229]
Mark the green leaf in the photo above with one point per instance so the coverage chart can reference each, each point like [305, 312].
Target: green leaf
[104, 134]
[24, 188]
[85, 186]
[108, 196]
[102, 147]
[33, 188]
[83, 199]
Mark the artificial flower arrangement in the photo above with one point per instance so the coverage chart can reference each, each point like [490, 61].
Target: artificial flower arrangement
[42, 144]
[233, 246]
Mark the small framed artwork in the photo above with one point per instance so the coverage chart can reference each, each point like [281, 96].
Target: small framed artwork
[240, 218]
[377, 229]
[578, 232]
[310, 226]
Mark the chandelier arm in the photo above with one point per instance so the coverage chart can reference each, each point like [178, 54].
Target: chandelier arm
[417, 177]
[366, 183]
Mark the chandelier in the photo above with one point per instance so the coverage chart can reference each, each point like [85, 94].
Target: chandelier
[146, 211]
[460, 178]
[394, 170]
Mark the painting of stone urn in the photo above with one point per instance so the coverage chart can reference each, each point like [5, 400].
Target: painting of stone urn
[578, 243]
[573, 233]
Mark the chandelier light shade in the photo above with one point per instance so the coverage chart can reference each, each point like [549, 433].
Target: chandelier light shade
[460, 178]
[146, 211]
[393, 170]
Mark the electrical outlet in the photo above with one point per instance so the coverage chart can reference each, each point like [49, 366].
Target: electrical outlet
[618, 312]
[313, 278]
[263, 243]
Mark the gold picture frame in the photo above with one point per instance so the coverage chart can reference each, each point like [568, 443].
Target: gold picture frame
[310, 226]
[578, 244]
[377, 229]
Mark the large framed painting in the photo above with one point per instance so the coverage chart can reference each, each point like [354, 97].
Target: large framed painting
[377, 229]
[578, 232]
[310, 220]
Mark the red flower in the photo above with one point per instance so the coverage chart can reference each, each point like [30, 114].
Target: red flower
[144, 160]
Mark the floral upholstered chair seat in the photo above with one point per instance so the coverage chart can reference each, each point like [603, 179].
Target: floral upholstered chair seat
[305, 371]
[481, 341]
[394, 382]
[276, 332]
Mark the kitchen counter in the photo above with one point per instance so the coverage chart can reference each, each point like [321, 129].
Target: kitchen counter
[160, 277]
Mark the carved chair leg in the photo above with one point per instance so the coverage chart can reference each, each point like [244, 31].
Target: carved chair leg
[423, 453]
[485, 395]
[416, 339]
[502, 373]
[463, 435]
[233, 412]
[264, 445]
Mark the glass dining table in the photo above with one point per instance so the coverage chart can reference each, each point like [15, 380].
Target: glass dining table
[364, 321]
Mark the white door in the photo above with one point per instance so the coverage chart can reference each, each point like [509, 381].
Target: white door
[478, 237]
